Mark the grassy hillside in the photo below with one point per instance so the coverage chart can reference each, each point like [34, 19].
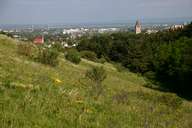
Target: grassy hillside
[40, 96]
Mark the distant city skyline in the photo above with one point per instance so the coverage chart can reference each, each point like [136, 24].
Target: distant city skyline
[92, 11]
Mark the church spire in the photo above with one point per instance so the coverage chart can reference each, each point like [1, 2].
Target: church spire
[138, 27]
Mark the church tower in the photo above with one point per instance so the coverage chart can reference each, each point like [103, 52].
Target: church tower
[138, 27]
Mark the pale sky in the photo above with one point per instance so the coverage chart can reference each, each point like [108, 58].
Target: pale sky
[89, 11]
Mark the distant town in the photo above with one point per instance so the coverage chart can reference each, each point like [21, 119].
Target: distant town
[67, 34]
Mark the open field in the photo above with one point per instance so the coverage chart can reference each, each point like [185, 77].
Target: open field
[33, 95]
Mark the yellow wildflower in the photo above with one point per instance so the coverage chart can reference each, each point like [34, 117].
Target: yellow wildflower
[58, 80]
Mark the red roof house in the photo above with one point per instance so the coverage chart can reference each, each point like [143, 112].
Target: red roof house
[39, 40]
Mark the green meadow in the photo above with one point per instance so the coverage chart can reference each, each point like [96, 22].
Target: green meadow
[34, 95]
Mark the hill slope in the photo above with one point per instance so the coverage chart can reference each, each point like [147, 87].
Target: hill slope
[36, 95]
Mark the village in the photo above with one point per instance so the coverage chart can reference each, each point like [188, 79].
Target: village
[67, 37]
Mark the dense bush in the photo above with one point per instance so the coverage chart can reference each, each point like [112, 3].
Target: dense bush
[89, 55]
[39, 53]
[97, 75]
[48, 56]
[73, 56]
[58, 46]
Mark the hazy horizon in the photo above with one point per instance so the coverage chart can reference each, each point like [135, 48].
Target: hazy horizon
[92, 11]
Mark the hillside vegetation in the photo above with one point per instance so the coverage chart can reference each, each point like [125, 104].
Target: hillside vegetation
[34, 95]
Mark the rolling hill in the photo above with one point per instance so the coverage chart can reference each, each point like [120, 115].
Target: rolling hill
[41, 96]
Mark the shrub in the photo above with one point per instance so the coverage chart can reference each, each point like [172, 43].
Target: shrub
[48, 56]
[73, 56]
[97, 75]
[89, 55]
[102, 60]
[58, 46]
[26, 49]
